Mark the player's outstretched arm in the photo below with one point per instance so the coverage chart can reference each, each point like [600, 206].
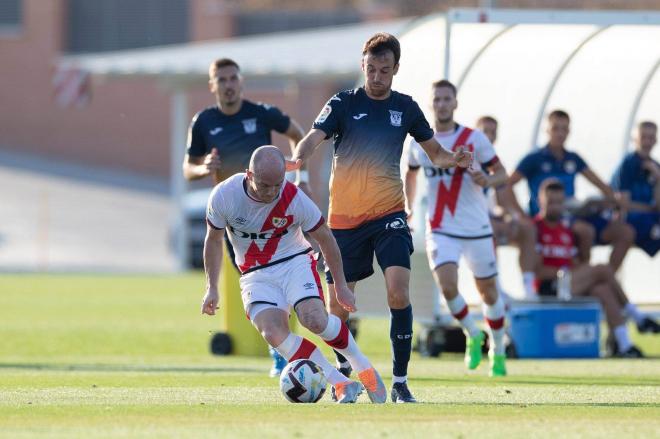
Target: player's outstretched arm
[332, 258]
[443, 158]
[212, 264]
[305, 148]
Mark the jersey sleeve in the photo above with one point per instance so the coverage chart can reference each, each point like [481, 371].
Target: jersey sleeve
[276, 119]
[420, 130]
[309, 216]
[580, 164]
[622, 179]
[329, 119]
[196, 144]
[412, 159]
[214, 209]
[527, 165]
[484, 150]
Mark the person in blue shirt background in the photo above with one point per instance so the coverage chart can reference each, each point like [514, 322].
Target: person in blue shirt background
[638, 178]
[553, 160]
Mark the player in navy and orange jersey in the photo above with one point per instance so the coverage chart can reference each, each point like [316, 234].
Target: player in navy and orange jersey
[554, 160]
[366, 212]
[458, 225]
[265, 217]
[222, 137]
[557, 249]
[638, 177]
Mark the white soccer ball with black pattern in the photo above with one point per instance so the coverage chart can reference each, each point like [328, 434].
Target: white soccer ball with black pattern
[303, 381]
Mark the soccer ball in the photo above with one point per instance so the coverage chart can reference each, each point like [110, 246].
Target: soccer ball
[303, 381]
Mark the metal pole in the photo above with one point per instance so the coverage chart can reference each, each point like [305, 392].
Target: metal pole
[447, 44]
[178, 184]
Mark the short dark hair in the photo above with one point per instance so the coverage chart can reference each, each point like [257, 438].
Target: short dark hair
[484, 119]
[647, 124]
[551, 185]
[221, 63]
[380, 43]
[445, 83]
[559, 114]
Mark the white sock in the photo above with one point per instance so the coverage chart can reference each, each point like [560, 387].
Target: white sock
[294, 347]
[461, 312]
[396, 379]
[528, 284]
[337, 336]
[494, 316]
[633, 312]
[622, 338]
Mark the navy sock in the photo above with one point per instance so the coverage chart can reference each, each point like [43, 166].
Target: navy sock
[401, 321]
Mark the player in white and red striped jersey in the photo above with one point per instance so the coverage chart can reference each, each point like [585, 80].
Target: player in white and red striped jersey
[457, 223]
[265, 216]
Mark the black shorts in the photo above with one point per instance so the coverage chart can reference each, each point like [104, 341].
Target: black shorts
[547, 288]
[388, 237]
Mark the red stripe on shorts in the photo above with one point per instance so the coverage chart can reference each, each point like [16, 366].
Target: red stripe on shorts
[317, 279]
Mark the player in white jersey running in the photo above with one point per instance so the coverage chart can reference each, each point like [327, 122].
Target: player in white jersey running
[265, 216]
[458, 224]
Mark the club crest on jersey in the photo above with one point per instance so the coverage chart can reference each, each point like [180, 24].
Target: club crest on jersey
[546, 167]
[570, 166]
[279, 222]
[395, 118]
[249, 126]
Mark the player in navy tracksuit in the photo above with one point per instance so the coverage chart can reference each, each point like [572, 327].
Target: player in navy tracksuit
[554, 161]
[638, 176]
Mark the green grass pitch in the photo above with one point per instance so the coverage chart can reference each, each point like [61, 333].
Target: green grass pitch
[127, 356]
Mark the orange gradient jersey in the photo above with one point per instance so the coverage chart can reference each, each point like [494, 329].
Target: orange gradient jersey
[365, 183]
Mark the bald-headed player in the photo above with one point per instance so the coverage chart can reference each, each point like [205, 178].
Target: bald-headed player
[265, 217]
[221, 138]
[366, 214]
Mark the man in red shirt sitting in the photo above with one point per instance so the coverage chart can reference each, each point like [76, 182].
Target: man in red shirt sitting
[557, 248]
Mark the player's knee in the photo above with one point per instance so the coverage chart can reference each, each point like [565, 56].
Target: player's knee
[312, 317]
[584, 231]
[398, 299]
[627, 234]
[603, 272]
[525, 230]
[274, 334]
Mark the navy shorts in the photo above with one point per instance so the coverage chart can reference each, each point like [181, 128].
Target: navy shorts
[387, 237]
[647, 231]
[599, 221]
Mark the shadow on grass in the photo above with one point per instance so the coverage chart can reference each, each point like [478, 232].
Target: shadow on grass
[532, 405]
[127, 368]
[546, 380]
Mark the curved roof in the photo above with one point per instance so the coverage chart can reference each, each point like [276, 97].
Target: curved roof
[606, 75]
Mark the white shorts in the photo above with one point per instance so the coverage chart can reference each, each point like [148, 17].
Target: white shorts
[281, 285]
[478, 253]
